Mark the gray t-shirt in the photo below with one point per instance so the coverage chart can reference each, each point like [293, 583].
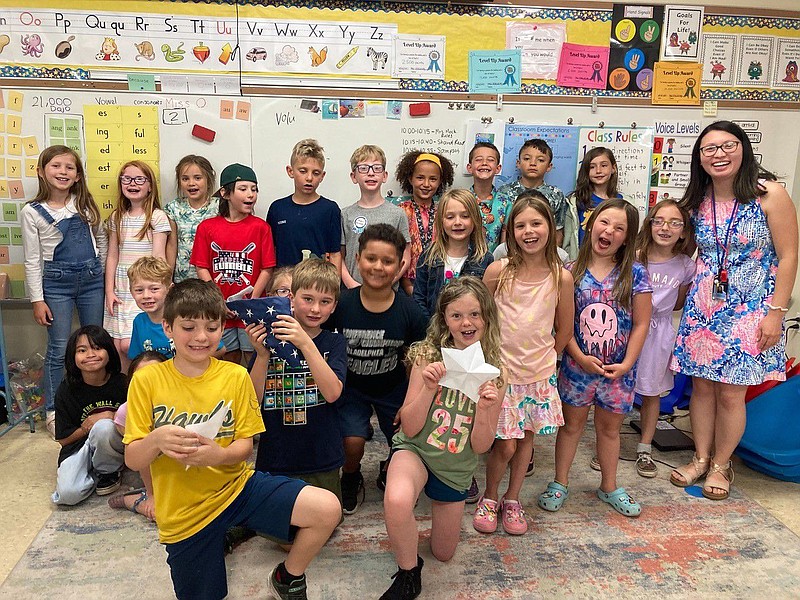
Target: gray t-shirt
[356, 218]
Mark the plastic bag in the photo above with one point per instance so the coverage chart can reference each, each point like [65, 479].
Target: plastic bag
[26, 378]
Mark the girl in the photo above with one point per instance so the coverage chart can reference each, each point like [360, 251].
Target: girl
[65, 246]
[281, 284]
[441, 432]
[459, 248]
[140, 501]
[137, 227]
[91, 448]
[597, 181]
[612, 308]
[662, 247]
[195, 177]
[235, 250]
[424, 176]
[534, 298]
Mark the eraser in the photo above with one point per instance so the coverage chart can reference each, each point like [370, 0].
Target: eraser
[419, 109]
[203, 133]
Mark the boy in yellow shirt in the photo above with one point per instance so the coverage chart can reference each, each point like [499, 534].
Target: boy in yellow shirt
[203, 486]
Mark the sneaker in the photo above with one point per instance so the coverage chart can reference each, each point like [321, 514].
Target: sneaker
[294, 590]
[236, 536]
[514, 522]
[595, 464]
[407, 584]
[352, 488]
[485, 518]
[646, 466]
[108, 483]
[531, 465]
[473, 493]
[50, 423]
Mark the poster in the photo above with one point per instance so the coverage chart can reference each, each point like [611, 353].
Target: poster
[478, 130]
[719, 59]
[540, 45]
[635, 44]
[419, 56]
[680, 39]
[672, 158]
[754, 64]
[494, 71]
[583, 66]
[562, 139]
[787, 58]
[677, 83]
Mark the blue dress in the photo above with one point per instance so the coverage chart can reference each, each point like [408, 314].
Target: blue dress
[718, 339]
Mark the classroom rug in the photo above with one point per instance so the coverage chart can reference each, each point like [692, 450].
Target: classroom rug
[682, 546]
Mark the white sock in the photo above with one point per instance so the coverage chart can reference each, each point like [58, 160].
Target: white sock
[644, 448]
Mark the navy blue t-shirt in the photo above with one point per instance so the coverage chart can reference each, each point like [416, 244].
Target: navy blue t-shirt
[296, 227]
[302, 429]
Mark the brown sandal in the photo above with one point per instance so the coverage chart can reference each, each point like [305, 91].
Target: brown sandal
[690, 472]
[727, 473]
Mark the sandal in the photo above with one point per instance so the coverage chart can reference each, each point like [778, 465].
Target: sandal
[553, 497]
[690, 472]
[118, 501]
[621, 501]
[727, 473]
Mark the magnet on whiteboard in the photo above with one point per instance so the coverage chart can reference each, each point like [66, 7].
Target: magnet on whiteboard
[203, 133]
[419, 109]
[499, 101]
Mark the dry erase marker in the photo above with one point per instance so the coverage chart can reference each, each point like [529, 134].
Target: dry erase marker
[347, 57]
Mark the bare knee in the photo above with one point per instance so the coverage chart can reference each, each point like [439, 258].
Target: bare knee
[505, 449]
[397, 502]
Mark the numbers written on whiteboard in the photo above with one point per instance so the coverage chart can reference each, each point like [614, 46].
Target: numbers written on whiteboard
[53, 104]
[174, 116]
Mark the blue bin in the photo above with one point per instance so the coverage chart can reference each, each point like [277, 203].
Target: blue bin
[677, 398]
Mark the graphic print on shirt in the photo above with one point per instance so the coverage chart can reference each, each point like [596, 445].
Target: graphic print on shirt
[233, 266]
[369, 353]
[168, 351]
[291, 390]
[599, 327]
[454, 420]
[166, 415]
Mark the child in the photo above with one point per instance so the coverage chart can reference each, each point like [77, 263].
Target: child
[534, 299]
[612, 309]
[304, 222]
[142, 500]
[194, 204]
[196, 506]
[484, 165]
[368, 170]
[281, 284]
[91, 448]
[235, 250]
[662, 247]
[379, 325]
[65, 246]
[428, 454]
[534, 162]
[597, 181]
[304, 439]
[424, 176]
[459, 248]
[137, 227]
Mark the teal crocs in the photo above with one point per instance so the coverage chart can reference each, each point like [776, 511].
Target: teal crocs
[553, 497]
[622, 502]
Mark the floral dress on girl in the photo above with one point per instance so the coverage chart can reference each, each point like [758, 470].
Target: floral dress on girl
[421, 236]
[186, 220]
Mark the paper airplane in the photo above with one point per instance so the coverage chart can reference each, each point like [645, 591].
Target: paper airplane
[209, 429]
[467, 370]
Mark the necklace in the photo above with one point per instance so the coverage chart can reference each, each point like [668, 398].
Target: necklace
[425, 235]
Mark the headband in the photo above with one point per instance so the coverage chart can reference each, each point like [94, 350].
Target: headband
[431, 157]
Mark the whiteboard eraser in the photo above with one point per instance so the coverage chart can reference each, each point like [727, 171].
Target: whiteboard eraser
[419, 109]
[203, 133]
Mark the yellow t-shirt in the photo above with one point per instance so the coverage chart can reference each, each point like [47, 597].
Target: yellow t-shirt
[189, 499]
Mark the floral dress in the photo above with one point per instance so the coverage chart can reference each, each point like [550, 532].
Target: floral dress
[420, 240]
[718, 339]
[186, 220]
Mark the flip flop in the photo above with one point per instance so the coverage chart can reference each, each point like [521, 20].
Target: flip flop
[118, 501]
[621, 501]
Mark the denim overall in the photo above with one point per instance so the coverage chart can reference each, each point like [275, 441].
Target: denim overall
[74, 278]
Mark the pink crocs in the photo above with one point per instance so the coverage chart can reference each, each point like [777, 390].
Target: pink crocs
[485, 518]
[514, 522]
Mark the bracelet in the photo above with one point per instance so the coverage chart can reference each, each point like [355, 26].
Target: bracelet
[780, 308]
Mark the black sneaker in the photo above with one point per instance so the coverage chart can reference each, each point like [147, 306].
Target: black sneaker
[407, 584]
[236, 536]
[295, 590]
[531, 465]
[352, 488]
[473, 493]
[108, 483]
[382, 472]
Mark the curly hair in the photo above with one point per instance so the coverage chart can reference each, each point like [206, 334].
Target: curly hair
[405, 170]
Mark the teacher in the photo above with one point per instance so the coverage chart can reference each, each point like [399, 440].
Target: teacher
[731, 332]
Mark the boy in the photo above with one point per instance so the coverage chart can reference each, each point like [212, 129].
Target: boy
[368, 170]
[379, 325]
[534, 162]
[150, 279]
[484, 165]
[304, 439]
[196, 506]
[306, 223]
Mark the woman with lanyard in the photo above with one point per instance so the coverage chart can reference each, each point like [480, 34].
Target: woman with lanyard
[731, 333]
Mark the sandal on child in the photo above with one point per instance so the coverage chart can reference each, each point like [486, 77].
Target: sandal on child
[690, 472]
[621, 501]
[118, 501]
[553, 497]
[727, 473]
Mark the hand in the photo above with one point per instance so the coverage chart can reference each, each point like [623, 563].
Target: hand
[177, 442]
[648, 34]
[287, 329]
[257, 334]
[111, 300]
[646, 82]
[432, 374]
[207, 454]
[489, 395]
[591, 364]
[616, 371]
[769, 331]
[229, 314]
[397, 420]
[619, 79]
[42, 314]
[90, 421]
[633, 63]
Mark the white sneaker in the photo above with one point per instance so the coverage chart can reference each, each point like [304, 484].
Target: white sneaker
[50, 423]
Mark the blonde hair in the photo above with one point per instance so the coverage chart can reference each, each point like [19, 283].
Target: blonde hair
[151, 203]
[84, 201]
[150, 268]
[644, 240]
[441, 241]
[308, 148]
[316, 274]
[364, 152]
[277, 274]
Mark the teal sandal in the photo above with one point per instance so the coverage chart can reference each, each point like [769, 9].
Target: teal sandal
[553, 497]
[621, 501]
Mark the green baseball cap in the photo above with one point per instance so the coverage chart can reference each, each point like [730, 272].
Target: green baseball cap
[237, 172]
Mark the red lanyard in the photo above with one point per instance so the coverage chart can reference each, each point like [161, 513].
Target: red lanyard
[721, 262]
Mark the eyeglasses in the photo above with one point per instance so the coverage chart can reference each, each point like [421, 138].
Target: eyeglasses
[138, 180]
[727, 148]
[364, 169]
[658, 222]
[283, 292]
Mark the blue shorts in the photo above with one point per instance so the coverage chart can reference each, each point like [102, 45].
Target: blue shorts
[435, 488]
[197, 564]
[580, 389]
[355, 411]
[235, 338]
